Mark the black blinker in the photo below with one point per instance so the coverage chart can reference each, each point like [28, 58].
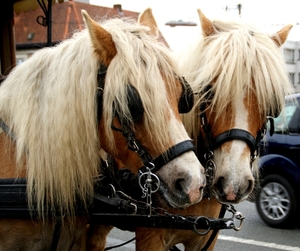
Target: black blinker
[186, 101]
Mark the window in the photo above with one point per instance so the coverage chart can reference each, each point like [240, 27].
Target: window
[19, 60]
[292, 77]
[298, 54]
[289, 55]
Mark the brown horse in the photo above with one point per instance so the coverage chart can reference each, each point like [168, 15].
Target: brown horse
[239, 77]
[58, 108]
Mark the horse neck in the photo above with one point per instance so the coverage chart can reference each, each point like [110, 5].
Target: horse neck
[7, 159]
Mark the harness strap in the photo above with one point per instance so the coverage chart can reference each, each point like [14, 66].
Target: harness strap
[215, 231]
[172, 153]
[236, 134]
[206, 128]
[6, 129]
[117, 203]
[212, 236]
[100, 79]
[56, 235]
[132, 143]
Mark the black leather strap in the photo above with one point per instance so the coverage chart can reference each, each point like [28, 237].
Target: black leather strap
[115, 204]
[6, 129]
[99, 96]
[172, 153]
[236, 134]
[216, 231]
[56, 235]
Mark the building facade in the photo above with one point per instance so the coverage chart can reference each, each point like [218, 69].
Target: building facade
[291, 51]
[66, 19]
[31, 34]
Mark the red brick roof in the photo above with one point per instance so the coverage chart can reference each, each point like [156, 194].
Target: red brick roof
[66, 19]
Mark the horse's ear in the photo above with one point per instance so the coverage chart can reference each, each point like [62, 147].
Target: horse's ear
[208, 27]
[280, 37]
[101, 39]
[146, 18]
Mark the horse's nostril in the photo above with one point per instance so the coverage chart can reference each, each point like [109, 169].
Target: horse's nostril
[247, 189]
[219, 185]
[250, 186]
[183, 184]
[180, 185]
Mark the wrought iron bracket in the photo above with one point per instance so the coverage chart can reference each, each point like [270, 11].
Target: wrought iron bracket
[46, 20]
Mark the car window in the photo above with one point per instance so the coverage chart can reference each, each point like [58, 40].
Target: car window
[289, 119]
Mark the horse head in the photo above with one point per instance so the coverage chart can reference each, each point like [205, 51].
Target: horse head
[112, 86]
[239, 77]
[141, 98]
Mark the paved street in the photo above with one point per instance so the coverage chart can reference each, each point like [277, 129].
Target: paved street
[254, 236]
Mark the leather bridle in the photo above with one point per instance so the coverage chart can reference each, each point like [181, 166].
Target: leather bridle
[211, 143]
[133, 144]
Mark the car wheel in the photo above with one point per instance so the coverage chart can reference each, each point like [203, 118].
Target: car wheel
[276, 203]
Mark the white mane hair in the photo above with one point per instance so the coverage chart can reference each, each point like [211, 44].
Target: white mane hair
[237, 57]
[49, 103]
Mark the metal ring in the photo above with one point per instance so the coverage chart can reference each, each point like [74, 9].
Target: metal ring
[208, 155]
[152, 175]
[206, 221]
[157, 182]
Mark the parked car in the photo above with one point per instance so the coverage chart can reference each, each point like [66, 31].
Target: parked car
[278, 201]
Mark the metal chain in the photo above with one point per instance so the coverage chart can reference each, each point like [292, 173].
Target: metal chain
[210, 168]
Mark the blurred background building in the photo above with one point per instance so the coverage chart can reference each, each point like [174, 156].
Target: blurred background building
[29, 30]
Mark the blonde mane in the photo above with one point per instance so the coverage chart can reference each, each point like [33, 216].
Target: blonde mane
[237, 57]
[49, 103]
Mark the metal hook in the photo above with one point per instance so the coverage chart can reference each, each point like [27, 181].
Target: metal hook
[241, 218]
[236, 215]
